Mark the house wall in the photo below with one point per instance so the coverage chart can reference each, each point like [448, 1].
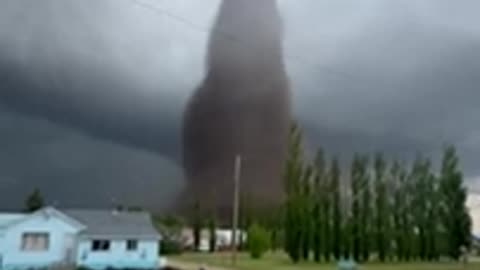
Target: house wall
[145, 257]
[2, 247]
[15, 258]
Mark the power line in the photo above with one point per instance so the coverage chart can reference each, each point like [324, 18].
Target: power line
[228, 36]
[208, 30]
[167, 13]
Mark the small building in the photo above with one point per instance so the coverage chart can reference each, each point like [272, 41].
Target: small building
[223, 239]
[96, 239]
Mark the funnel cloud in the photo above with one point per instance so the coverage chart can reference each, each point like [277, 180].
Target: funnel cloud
[241, 108]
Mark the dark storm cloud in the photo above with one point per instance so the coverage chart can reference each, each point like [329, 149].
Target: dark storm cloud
[406, 82]
[74, 170]
[84, 65]
[398, 76]
[95, 102]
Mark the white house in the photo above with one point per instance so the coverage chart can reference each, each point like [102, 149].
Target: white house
[95, 239]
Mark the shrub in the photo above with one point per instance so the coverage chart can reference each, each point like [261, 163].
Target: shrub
[170, 247]
[258, 241]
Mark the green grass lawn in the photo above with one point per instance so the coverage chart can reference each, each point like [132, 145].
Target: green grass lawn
[281, 262]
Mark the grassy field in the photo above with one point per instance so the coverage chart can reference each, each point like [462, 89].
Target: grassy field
[280, 262]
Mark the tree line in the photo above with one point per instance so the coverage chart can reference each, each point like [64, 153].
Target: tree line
[378, 209]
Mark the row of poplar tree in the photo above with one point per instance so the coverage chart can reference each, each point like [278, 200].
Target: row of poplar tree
[375, 210]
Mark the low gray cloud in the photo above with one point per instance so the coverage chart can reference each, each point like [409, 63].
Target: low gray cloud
[73, 169]
[396, 76]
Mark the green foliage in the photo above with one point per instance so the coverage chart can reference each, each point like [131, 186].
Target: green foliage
[306, 213]
[170, 246]
[356, 186]
[392, 211]
[293, 175]
[455, 217]
[197, 225]
[365, 208]
[381, 213]
[319, 218]
[212, 229]
[258, 241]
[337, 211]
[170, 227]
[398, 178]
[34, 201]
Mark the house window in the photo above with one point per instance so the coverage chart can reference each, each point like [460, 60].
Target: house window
[132, 245]
[35, 241]
[100, 245]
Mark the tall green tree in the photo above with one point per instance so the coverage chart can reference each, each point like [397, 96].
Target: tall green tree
[346, 233]
[381, 214]
[197, 225]
[356, 185]
[306, 212]
[432, 216]
[275, 224]
[420, 174]
[365, 222]
[408, 216]
[398, 177]
[456, 220]
[293, 175]
[347, 236]
[212, 232]
[328, 188]
[337, 209]
[34, 201]
[319, 242]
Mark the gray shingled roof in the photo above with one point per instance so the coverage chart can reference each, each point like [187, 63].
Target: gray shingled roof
[105, 223]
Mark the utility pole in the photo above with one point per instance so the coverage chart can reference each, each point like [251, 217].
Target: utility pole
[236, 189]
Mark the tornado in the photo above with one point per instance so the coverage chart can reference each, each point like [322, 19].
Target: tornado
[242, 107]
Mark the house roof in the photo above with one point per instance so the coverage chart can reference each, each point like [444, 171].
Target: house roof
[7, 218]
[107, 223]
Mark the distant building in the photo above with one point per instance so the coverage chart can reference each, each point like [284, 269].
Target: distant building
[94, 239]
[223, 239]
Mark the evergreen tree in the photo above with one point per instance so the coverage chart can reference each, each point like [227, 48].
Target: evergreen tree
[292, 178]
[319, 244]
[408, 215]
[380, 207]
[275, 225]
[432, 219]
[398, 175]
[346, 233]
[356, 185]
[337, 211]
[212, 231]
[34, 201]
[365, 207]
[456, 220]
[421, 174]
[197, 225]
[306, 212]
[327, 217]
[347, 236]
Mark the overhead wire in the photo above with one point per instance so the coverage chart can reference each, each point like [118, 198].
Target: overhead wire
[208, 30]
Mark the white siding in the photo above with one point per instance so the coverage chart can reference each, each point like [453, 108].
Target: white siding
[146, 255]
[13, 255]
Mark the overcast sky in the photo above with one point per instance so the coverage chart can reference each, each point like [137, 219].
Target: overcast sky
[92, 92]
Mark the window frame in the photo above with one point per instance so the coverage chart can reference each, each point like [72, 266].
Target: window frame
[100, 245]
[34, 237]
[131, 245]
